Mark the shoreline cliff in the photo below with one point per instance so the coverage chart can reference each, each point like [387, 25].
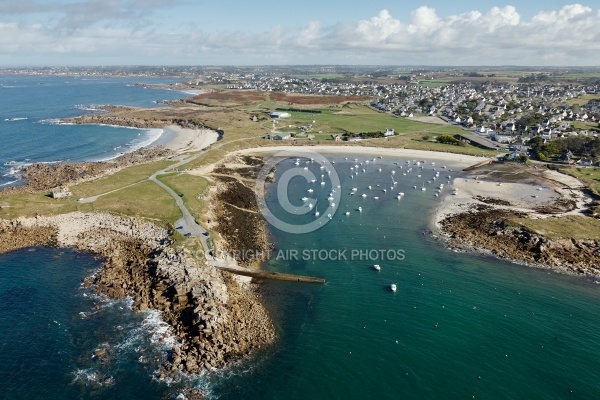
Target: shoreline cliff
[217, 319]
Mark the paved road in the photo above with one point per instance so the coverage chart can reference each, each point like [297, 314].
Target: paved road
[187, 222]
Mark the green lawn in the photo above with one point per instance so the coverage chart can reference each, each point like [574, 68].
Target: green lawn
[29, 205]
[571, 226]
[191, 187]
[583, 100]
[356, 119]
[118, 180]
[590, 176]
[435, 82]
[145, 199]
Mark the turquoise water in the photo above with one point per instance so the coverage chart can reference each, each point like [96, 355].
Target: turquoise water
[459, 325]
[30, 104]
[51, 328]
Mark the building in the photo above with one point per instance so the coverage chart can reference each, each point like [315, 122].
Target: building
[61, 193]
[280, 115]
[389, 132]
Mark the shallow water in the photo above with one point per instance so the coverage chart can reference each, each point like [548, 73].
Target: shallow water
[459, 325]
[30, 104]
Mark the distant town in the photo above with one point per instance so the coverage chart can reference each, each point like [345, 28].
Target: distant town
[549, 114]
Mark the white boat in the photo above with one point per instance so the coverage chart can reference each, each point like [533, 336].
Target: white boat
[317, 213]
[305, 199]
[310, 206]
[369, 187]
[377, 267]
[376, 198]
[359, 209]
[347, 212]
[313, 180]
[354, 189]
[310, 190]
[393, 287]
[363, 195]
[322, 183]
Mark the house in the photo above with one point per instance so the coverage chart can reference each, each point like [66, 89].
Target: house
[283, 136]
[337, 137]
[61, 192]
[503, 138]
[515, 154]
[389, 132]
[509, 127]
[547, 134]
[566, 158]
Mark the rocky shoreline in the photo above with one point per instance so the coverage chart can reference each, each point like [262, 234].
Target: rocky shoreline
[125, 116]
[217, 320]
[234, 212]
[43, 176]
[488, 229]
[488, 207]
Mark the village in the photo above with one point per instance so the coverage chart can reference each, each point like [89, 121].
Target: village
[519, 117]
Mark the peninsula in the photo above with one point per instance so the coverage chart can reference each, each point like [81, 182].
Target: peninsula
[209, 155]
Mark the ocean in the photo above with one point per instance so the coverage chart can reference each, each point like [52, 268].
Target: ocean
[31, 105]
[460, 325]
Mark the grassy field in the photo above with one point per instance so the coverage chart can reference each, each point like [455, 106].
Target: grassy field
[145, 199]
[583, 100]
[570, 226]
[435, 82]
[29, 205]
[357, 118]
[588, 126]
[191, 188]
[590, 176]
[118, 180]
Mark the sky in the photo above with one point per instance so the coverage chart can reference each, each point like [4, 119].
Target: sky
[267, 32]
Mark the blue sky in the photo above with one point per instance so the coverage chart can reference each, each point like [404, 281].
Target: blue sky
[200, 32]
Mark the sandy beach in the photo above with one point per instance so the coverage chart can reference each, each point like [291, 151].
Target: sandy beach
[182, 140]
[458, 160]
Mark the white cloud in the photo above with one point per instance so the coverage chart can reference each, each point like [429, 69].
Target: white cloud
[123, 30]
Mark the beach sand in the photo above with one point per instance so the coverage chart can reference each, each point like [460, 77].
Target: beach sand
[460, 160]
[183, 140]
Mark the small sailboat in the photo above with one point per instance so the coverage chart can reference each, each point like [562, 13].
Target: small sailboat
[359, 209]
[393, 287]
[363, 195]
[347, 212]
[377, 267]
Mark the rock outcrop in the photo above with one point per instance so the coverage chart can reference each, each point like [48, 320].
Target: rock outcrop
[487, 228]
[42, 176]
[217, 321]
